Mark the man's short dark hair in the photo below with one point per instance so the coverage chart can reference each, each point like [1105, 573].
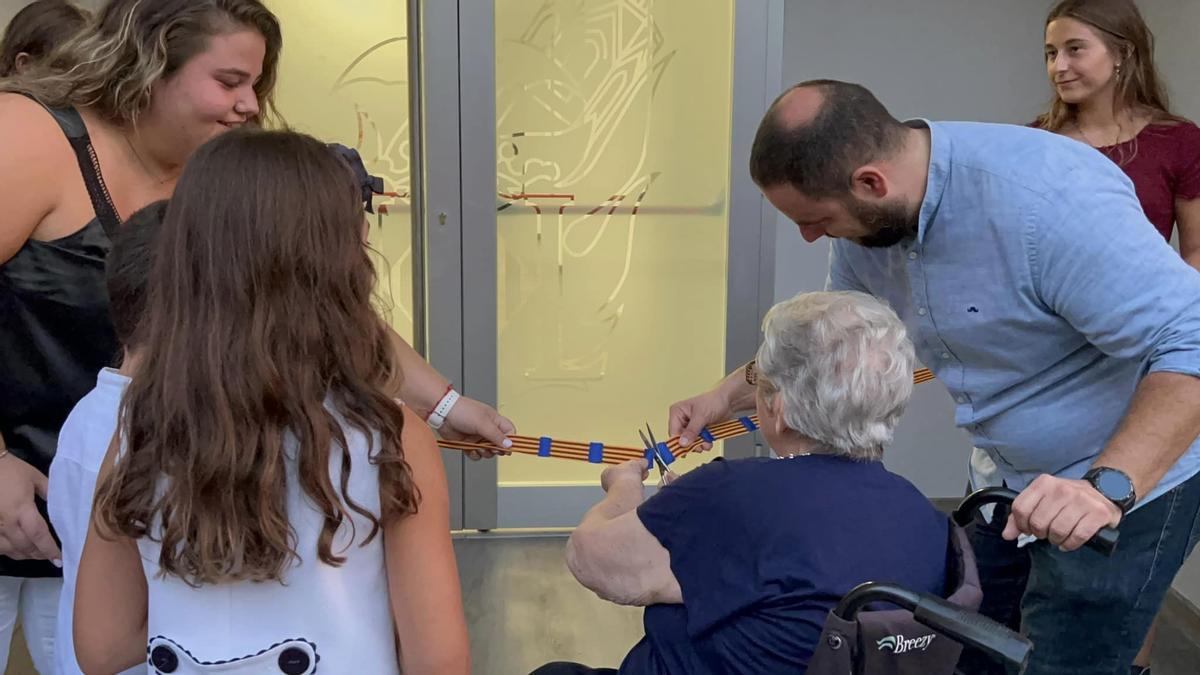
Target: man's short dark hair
[128, 269]
[818, 158]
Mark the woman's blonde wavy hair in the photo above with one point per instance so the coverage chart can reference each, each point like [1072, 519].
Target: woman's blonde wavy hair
[111, 67]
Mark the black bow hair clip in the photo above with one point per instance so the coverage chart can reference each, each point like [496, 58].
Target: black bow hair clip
[368, 184]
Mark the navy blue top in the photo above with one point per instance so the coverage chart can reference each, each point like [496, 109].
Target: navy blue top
[764, 548]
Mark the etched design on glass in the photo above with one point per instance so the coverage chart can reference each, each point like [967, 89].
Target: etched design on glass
[575, 98]
[383, 141]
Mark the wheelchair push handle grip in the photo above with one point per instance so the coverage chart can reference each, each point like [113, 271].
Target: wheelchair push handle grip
[1104, 541]
[974, 630]
[963, 626]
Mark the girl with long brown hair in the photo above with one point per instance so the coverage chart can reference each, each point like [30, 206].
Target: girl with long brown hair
[89, 135]
[268, 497]
[1108, 94]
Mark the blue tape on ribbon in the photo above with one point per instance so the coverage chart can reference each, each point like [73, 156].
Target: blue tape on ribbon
[706, 435]
[544, 446]
[748, 423]
[668, 457]
[649, 459]
[596, 453]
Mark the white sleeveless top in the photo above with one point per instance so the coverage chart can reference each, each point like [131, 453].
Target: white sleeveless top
[321, 618]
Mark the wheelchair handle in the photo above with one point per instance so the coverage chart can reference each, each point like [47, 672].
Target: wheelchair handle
[963, 626]
[1105, 541]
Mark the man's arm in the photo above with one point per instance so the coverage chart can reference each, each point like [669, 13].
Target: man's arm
[1164, 418]
[613, 554]
[1162, 422]
[1091, 269]
[732, 394]
[735, 392]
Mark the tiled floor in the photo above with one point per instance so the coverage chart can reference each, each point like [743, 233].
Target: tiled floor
[524, 609]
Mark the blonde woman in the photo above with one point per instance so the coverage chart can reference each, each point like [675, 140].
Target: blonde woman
[97, 131]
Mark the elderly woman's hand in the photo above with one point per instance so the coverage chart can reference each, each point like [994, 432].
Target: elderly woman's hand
[632, 470]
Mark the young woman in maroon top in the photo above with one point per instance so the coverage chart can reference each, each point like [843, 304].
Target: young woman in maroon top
[1107, 93]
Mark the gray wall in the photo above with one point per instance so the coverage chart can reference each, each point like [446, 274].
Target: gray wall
[950, 59]
[941, 59]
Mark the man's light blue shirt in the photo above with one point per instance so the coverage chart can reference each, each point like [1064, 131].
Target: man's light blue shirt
[1038, 293]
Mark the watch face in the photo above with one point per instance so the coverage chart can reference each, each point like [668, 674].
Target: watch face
[1113, 485]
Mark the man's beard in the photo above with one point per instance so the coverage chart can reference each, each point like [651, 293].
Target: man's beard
[889, 224]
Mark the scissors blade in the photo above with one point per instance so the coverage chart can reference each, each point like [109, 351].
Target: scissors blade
[662, 466]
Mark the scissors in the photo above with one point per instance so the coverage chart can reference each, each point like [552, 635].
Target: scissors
[652, 445]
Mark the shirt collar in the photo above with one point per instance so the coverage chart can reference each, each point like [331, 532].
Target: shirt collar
[938, 174]
[109, 377]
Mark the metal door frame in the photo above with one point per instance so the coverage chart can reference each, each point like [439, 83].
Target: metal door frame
[458, 111]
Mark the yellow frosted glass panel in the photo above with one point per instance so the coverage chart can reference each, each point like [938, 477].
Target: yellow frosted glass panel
[613, 136]
[343, 78]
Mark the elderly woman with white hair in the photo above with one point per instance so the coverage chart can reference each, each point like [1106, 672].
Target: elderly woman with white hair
[739, 562]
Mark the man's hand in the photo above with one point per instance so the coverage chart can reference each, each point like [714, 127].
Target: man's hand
[470, 420]
[631, 470]
[668, 478]
[1067, 513]
[24, 534]
[689, 416]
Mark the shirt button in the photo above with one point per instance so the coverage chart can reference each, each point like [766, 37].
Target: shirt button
[912, 255]
[945, 355]
[961, 399]
[922, 311]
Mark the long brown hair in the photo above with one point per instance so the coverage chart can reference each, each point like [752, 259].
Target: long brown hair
[37, 29]
[111, 67]
[1125, 34]
[259, 329]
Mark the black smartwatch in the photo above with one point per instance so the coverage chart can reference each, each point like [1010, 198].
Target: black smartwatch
[1114, 485]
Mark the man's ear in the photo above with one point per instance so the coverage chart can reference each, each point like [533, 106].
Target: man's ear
[869, 183]
[22, 62]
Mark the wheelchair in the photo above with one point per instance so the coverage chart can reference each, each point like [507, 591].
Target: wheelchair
[925, 634]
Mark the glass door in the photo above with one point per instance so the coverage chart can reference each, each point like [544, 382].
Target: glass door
[345, 80]
[350, 73]
[617, 255]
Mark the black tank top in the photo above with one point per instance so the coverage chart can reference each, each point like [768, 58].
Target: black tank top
[55, 331]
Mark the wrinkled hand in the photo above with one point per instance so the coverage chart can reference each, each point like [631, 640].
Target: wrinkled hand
[632, 470]
[24, 534]
[689, 416]
[470, 420]
[668, 478]
[1067, 513]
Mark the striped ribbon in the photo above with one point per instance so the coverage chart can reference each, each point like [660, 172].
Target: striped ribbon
[603, 453]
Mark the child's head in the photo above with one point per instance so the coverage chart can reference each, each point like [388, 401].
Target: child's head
[128, 268]
[260, 322]
[35, 31]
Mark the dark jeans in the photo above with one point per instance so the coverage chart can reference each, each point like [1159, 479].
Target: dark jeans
[1085, 613]
[564, 668]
